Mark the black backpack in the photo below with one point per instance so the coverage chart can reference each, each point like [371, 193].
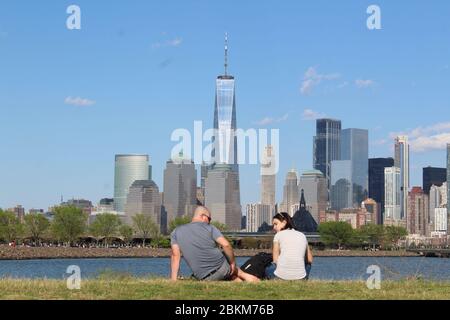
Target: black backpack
[257, 265]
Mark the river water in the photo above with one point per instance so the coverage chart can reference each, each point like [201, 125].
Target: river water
[325, 268]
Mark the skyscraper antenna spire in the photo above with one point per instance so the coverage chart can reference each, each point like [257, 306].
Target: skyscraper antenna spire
[226, 53]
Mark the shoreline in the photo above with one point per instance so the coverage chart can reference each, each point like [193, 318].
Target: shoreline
[52, 253]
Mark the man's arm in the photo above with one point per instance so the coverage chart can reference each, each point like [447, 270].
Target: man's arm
[175, 262]
[228, 250]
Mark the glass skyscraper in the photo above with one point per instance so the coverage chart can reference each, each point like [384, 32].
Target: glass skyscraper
[128, 168]
[224, 140]
[350, 175]
[433, 176]
[327, 145]
[376, 182]
[355, 147]
[341, 190]
[402, 162]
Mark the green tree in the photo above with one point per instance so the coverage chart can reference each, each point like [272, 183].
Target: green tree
[357, 239]
[394, 234]
[146, 227]
[69, 223]
[178, 221]
[126, 232]
[161, 243]
[337, 233]
[373, 234]
[105, 225]
[221, 226]
[36, 225]
[10, 227]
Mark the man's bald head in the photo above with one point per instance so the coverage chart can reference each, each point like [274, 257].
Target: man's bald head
[200, 212]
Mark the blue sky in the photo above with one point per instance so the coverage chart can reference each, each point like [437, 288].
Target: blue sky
[142, 69]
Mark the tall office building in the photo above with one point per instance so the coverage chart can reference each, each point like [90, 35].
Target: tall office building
[180, 187]
[448, 188]
[314, 185]
[144, 198]
[224, 139]
[419, 208]
[392, 199]
[354, 167]
[224, 153]
[268, 177]
[433, 176]
[128, 168]
[290, 193]
[401, 161]
[438, 196]
[341, 187]
[204, 174]
[327, 145]
[222, 196]
[437, 199]
[441, 222]
[376, 182]
[257, 215]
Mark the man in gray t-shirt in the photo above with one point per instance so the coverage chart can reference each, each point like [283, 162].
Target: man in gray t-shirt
[197, 242]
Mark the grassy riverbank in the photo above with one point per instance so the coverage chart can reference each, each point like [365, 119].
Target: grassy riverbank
[150, 289]
[26, 253]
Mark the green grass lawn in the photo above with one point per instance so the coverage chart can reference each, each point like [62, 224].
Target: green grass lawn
[149, 289]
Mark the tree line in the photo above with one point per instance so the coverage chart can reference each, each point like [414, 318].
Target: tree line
[70, 224]
[340, 234]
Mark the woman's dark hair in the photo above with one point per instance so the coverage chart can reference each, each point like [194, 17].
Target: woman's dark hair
[283, 216]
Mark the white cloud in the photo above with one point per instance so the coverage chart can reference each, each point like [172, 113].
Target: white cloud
[309, 114]
[312, 79]
[360, 83]
[79, 102]
[268, 120]
[422, 139]
[343, 85]
[435, 142]
[168, 43]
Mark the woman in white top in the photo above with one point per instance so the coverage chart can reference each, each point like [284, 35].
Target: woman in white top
[291, 253]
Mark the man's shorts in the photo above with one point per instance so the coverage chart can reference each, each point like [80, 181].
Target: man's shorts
[222, 274]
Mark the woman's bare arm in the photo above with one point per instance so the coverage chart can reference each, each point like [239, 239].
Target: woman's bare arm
[309, 256]
[275, 251]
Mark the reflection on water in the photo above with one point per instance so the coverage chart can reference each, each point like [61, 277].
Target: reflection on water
[336, 268]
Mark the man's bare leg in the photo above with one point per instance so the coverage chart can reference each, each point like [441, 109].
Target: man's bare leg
[247, 277]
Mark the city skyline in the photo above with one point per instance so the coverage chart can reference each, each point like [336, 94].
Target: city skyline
[64, 131]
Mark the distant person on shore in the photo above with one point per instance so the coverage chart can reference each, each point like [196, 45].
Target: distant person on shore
[292, 258]
[198, 243]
